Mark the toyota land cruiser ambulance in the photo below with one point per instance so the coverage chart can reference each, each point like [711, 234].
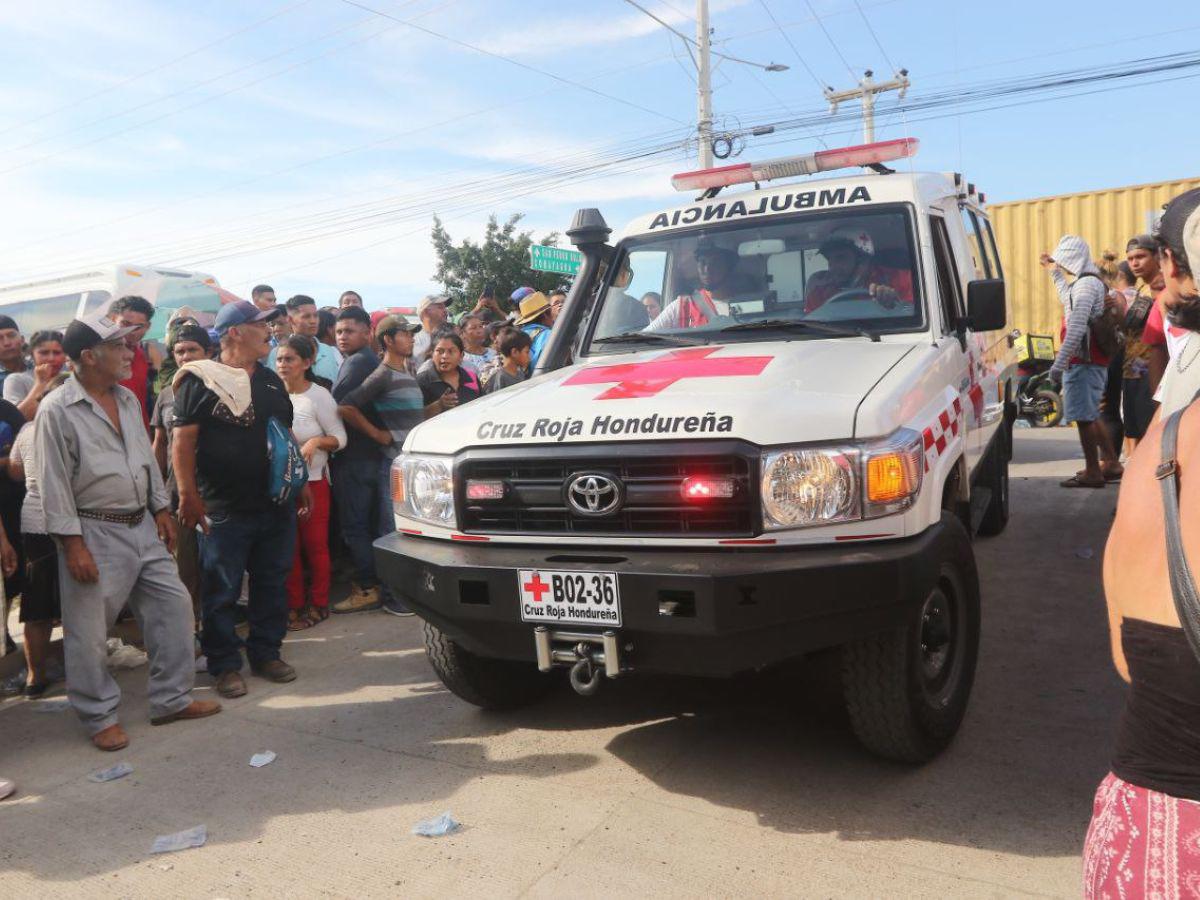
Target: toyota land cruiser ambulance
[790, 456]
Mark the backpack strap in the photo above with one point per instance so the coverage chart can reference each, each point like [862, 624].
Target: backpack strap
[1183, 585]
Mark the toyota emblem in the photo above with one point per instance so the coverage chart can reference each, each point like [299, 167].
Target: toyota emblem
[594, 494]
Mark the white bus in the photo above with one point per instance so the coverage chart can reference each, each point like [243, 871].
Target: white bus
[51, 303]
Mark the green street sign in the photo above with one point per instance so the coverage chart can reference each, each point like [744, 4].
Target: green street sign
[554, 259]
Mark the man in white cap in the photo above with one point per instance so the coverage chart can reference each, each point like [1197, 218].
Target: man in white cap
[432, 313]
[98, 479]
[1080, 365]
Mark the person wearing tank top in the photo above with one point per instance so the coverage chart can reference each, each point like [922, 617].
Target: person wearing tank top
[1144, 836]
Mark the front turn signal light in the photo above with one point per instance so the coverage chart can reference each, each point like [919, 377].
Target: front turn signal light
[893, 471]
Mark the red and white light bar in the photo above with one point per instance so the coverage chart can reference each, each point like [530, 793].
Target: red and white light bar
[791, 166]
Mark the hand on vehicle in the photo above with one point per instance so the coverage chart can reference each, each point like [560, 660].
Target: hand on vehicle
[165, 525]
[884, 295]
[1054, 377]
[80, 563]
[192, 512]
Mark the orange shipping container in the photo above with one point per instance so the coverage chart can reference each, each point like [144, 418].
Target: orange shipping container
[1105, 219]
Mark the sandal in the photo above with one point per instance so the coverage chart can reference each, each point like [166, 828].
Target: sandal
[1111, 477]
[298, 620]
[316, 615]
[1076, 482]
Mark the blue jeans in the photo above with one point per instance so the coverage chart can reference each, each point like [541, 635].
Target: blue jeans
[262, 544]
[363, 501]
[1083, 386]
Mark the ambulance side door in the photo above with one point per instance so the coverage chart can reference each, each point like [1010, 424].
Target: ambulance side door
[954, 343]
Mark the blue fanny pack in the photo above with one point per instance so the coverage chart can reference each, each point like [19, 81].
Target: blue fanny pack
[287, 473]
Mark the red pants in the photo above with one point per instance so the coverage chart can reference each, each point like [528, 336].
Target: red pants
[312, 551]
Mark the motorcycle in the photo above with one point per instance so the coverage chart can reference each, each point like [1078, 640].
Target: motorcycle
[1039, 400]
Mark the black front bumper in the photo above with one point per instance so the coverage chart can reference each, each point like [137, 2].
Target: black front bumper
[735, 610]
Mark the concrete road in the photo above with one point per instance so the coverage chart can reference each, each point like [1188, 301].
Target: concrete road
[656, 787]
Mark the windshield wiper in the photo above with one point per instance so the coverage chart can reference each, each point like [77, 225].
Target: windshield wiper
[636, 337]
[801, 325]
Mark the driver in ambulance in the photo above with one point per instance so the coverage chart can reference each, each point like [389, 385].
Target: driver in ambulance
[850, 254]
[715, 268]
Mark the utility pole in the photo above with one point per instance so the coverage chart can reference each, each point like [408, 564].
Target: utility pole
[704, 113]
[866, 91]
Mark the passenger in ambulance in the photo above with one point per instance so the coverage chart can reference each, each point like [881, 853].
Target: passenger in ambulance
[622, 312]
[719, 284]
[849, 252]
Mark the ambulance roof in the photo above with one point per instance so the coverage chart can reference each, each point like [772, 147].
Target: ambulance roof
[844, 192]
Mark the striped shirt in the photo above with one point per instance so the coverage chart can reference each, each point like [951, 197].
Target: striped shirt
[1083, 301]
[397, 398]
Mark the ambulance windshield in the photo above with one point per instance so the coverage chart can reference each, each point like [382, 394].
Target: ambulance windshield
[856, 271]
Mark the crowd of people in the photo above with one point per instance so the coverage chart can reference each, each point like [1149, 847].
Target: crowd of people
[149, 483]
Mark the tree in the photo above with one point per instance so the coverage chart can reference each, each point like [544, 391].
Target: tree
[501, 259]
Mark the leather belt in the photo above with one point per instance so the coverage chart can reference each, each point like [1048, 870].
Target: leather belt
[121, 518]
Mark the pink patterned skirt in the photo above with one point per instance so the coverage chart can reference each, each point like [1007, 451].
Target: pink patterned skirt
[1141, 843]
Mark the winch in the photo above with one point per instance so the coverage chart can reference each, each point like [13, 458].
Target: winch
[587, 653]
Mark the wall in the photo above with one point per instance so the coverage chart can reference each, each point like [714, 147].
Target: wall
[1105, 219]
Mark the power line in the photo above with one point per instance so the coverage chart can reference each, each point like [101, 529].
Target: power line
[874, 36]
[175, 59]
[512, 62]
[796, 50]
[205, 100]
[175, 203]
[829, 37]
[691, 42]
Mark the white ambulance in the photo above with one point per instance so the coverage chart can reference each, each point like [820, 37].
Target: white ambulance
[784, 449]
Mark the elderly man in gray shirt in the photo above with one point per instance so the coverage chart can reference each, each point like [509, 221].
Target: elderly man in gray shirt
[98, 478]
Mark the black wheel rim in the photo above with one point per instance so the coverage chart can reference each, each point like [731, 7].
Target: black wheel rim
[940, 637]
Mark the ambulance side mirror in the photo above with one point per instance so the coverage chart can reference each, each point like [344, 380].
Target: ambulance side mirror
[986, 307]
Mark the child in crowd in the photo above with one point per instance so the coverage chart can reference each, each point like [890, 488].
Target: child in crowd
[515, 349]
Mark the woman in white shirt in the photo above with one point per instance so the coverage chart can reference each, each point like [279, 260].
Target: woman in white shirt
[320, 432]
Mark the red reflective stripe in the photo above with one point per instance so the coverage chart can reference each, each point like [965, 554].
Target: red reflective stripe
[409, 531]
[468, 537]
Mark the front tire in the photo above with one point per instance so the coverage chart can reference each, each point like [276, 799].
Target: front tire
[1050, 403]
[995, 517]
[486, 683]
[906, 691]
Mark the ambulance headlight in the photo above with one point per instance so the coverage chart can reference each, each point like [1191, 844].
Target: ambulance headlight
[426, 489]
[807, 486]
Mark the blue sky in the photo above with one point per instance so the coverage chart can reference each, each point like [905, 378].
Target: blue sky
[226, 136]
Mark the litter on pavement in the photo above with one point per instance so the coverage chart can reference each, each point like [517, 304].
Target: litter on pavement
[437, 826]
[258, 760]
[180, 840]
[112, 773]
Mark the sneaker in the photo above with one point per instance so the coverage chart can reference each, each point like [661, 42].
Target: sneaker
[365, 599]
[394, 607]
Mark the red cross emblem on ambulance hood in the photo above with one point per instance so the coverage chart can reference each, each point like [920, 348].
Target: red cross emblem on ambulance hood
[646, 379]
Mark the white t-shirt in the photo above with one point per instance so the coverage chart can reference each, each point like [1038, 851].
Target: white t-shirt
[1181, 381]
[17, 386]
[33, 518]
[314, 414]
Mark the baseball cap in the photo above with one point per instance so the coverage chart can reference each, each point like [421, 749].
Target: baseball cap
[431, 300]
[191, 332]
[1142, 242]
[7, 322]
[394, 322]
[83, 334]
[520, 294]
[239, 312]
